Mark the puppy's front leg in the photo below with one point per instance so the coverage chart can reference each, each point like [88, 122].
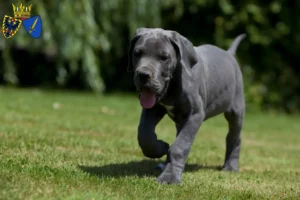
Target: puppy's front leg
[180, 149]
[147, 138]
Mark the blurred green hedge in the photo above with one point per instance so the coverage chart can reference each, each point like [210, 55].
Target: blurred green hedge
[84, 43]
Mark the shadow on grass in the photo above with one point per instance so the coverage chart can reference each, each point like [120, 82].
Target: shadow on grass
[136, 168]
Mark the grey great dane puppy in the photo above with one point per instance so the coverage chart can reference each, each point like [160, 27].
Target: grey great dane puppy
[190, 84]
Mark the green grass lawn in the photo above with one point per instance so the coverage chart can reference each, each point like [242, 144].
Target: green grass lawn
[67, 145]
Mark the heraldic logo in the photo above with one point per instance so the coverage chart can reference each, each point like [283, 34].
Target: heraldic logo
[32, 25]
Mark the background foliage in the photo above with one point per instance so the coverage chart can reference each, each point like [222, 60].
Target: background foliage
[84, 43]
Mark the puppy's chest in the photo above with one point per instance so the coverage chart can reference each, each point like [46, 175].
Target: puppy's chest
[170, 110]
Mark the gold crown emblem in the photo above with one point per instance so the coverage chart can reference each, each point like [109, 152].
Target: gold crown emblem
[22, 12]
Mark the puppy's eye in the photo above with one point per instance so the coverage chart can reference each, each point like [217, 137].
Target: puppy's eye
[137, 52]
[164, 57]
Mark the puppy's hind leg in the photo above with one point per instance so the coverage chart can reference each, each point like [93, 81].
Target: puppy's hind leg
[235, 119]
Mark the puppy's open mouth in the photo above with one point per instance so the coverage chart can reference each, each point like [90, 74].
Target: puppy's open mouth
[147, 98]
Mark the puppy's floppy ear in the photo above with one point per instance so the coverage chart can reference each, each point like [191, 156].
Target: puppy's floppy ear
[139, 32]
[131, 46]
[184, 48]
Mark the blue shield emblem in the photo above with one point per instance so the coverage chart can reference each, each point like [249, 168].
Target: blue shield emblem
[10, 26]
[33, 26]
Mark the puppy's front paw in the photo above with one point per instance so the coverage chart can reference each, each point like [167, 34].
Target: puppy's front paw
[166, 178]
[228, 168]
[155, 150]
[169, 177]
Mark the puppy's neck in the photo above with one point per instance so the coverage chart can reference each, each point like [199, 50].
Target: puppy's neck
[174, 88]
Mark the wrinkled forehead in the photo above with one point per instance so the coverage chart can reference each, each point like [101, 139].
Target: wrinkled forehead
[153, 40]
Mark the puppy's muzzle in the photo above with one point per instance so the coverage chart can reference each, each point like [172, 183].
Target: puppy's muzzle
[143, 76]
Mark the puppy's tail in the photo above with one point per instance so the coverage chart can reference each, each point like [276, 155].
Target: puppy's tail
[232, 49]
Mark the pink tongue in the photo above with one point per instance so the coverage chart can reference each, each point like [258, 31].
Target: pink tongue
[147, 98]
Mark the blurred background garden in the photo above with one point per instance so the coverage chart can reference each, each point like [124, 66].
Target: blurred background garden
[84, 44]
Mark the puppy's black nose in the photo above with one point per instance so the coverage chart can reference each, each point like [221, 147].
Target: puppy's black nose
[144, 75]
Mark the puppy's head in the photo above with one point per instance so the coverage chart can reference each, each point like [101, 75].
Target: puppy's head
[153, 56]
